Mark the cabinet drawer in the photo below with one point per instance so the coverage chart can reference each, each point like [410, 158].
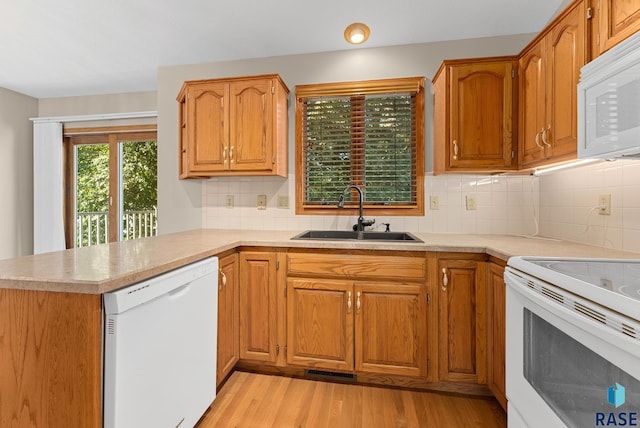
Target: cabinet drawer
[357, 266]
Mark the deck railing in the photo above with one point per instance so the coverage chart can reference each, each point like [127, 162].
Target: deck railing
[92, 228]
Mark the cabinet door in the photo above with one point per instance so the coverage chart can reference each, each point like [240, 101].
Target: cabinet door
[496, 345]
[228, 316]
[258, 307]
[320, 323]
[391, 322]
[207, 127]
[251, 136]
[618, 19]
[565, 54]
[481, 109]
[532, 104]
[462, 326]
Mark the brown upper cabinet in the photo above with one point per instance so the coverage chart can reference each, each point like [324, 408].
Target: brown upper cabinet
[549, 69]
[474, 111]
[236, 126]
[612, 22]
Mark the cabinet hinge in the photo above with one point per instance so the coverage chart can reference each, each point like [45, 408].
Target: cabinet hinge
[277, 349]
[277, 264]
[513, 74]
[428, 298]
[589, 13]
[273, 89]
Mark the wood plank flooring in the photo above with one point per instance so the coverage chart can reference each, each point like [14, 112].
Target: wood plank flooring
[265, 401]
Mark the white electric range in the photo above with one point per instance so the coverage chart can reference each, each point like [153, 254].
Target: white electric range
[573, 342]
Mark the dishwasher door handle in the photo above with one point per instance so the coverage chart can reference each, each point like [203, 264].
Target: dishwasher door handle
[177, 292]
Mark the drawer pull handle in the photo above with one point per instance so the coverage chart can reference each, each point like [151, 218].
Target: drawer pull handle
[223, 283]
[445, 279]
[545, 134]
[538, 140]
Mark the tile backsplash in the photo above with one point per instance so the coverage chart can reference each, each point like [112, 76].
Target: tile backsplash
[504, 205]
[569, 201]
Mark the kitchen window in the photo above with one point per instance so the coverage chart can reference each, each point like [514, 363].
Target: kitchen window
[111, 188]
[367, 133]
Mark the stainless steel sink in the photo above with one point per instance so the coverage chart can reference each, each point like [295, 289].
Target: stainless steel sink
[347, 235]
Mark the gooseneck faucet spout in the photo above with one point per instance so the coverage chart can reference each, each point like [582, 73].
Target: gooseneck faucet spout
[362, 223]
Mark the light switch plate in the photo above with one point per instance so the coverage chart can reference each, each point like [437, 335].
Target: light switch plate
[471, 202]
[230, 202]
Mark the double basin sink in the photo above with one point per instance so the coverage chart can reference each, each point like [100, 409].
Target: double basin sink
[347, 235]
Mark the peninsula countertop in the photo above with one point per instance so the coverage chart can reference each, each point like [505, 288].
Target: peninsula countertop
[107, 267]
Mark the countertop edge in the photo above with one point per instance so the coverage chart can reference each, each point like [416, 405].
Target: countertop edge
[108, 267]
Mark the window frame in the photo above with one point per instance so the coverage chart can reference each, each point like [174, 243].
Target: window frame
[110, 136]
[355, 89]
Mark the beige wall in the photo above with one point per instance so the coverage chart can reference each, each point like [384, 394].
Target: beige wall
[180, 203]
[16, 169]
[97, 104]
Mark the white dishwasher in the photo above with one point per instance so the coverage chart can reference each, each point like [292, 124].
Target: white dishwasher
[160, 349]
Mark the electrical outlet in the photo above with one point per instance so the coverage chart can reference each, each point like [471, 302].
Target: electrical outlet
[604, 201]
[229, 201]
[283, 202]
[434, 202]
[262, 202]
[471, 202]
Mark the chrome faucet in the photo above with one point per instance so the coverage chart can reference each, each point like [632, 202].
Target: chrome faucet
[362, 223]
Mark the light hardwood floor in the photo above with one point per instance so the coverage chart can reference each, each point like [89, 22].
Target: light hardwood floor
[260, 401]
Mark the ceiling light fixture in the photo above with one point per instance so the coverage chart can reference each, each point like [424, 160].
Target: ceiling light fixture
[356, 33]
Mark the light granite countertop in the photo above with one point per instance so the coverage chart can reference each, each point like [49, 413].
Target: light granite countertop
[103, 268]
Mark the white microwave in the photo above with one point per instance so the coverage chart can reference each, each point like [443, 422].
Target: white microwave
[609, 104]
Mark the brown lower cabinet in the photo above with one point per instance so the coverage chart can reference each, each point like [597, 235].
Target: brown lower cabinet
[496, 320]
[258, 307]
[462, 318]
[363, 312]
[372, 327]
[228, 316]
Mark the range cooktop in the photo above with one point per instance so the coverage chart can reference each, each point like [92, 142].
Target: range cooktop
[621, 277]
[613, 283]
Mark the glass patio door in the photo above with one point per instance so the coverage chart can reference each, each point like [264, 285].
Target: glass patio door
[115, 187]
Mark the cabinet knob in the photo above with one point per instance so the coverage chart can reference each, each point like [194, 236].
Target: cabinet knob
[445, 279]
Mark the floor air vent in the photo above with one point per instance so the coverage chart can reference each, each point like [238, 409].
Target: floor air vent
[330, 376]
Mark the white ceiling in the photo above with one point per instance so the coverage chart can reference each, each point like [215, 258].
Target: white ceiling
[80, 47]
